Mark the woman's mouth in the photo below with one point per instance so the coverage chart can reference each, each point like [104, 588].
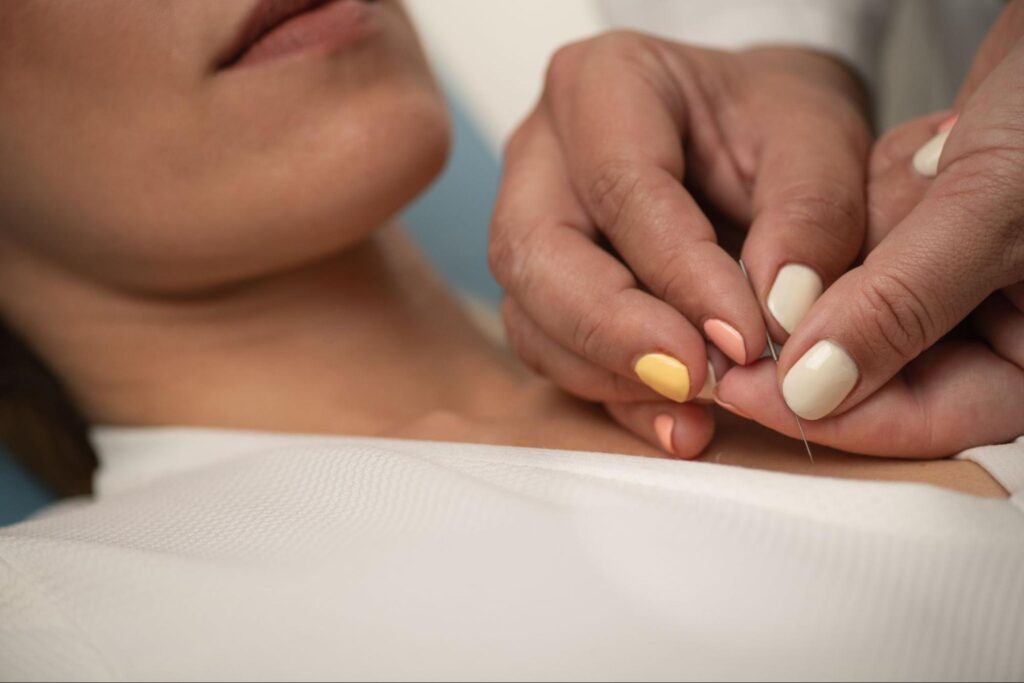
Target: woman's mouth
[279, 28]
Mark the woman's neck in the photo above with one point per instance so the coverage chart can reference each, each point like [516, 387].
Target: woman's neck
[361, 343]
[365, 343]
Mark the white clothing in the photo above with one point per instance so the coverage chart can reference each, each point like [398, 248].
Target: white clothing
[914, 52]
[238, 555]
[850, 30]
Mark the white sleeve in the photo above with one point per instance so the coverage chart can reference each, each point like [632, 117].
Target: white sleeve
[849, 29]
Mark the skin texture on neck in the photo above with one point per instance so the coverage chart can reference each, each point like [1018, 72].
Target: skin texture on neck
[359, 342]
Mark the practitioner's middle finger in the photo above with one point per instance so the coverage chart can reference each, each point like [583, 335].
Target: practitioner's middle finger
[623, 149]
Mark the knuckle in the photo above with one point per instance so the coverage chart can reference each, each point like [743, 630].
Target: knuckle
[500, 254]
[671, 282]
[628, 45]
[830, 201]
[987, 171]
[989, 180]
[831, 215]
[588, 330]
[640, 54]
[565, 64]
[614, 184]
[508, 251]
[893, 319]
[645, 59]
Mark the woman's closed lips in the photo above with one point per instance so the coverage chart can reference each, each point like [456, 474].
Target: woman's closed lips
[279, 28]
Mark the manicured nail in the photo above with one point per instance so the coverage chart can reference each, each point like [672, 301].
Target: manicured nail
[731, 408]
[926, 159]
[819, 381]
[948, 123]
[794, 291]
[663, 426]
[727, 338]
[666, 375]
[707, 392]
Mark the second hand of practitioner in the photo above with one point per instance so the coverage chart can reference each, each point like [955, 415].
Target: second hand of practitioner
[918, 351]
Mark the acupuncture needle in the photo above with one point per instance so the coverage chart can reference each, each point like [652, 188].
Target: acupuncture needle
[775, 357]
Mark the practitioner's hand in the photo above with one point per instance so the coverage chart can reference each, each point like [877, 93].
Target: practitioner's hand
[873, 355]
[604, 234]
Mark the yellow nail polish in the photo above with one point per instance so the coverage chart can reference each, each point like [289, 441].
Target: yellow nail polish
[664, 374]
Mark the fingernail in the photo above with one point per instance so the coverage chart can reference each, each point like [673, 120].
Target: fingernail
[666, 375]
[707, 392]
[819, 381]
[727, 338]
[663, 426]
[731, 408]
[926, 159]
[948, 123]
[794, 291]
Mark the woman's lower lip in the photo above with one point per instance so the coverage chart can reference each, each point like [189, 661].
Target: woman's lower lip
[331, 26]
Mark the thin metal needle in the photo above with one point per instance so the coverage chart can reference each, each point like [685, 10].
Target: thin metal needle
[775, 357]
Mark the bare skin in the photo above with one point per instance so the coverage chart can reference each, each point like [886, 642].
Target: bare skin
[206, 249]
[369, 342]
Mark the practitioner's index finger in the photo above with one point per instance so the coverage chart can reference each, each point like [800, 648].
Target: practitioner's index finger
[621, 121]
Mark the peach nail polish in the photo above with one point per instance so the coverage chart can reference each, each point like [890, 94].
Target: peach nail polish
[727, 338]
[663, 425]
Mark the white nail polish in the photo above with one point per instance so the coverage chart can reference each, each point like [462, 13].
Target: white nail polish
[819, 381]
[707, 392]
[794, 291]
[926, 159]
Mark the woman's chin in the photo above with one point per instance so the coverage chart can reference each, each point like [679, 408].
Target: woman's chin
[233, 209]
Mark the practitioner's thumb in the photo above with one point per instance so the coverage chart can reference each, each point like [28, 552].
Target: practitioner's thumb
[926, 276]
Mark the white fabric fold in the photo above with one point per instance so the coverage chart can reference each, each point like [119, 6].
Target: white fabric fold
[228, 555]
